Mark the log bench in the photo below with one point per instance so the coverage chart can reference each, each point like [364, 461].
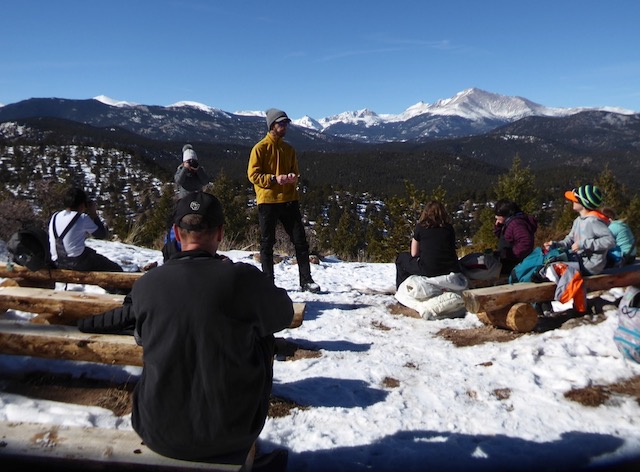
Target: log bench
[67, 343]
[66, 307]
[53, 334]
[59, 341]
[55, 447]
[48, 277]
[510, 306]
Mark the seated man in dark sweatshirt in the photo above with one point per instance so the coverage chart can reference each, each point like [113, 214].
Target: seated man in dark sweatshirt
[206, 327]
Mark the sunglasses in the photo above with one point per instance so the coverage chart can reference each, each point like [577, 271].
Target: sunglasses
[283, 123]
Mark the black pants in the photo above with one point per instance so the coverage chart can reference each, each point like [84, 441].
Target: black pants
[289, 215]
[407, 265]
[508, 265]
[88, 261]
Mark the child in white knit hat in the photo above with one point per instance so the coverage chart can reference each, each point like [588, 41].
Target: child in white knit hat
[190, 177]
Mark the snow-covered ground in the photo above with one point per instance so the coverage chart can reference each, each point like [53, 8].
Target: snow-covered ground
[388, 393]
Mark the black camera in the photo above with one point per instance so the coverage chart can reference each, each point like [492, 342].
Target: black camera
[193, 163]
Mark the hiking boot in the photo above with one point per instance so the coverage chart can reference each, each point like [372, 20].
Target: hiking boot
[310, 287]
[149, 266]
[547, 309]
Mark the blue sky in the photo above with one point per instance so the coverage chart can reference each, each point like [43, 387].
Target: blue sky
[324, 57]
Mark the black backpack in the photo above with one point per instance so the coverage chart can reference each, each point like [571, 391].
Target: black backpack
[29, 247]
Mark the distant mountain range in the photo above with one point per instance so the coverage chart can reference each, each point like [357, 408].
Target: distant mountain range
[471, 112]
[475, 127]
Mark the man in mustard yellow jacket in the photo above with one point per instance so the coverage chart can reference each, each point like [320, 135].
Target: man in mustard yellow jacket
[273, 171]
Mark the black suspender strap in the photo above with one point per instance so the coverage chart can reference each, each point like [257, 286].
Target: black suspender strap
[66, 230]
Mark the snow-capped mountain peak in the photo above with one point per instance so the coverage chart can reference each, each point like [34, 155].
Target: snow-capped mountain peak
[307, 122]
[114, 103]
[474, 104]
[197, 105]
[250, 113]
[364, 116]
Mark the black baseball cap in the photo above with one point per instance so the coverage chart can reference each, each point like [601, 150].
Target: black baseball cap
[199, 203]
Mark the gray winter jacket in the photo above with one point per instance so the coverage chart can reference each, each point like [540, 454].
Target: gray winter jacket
[190, 181]
[592, 234]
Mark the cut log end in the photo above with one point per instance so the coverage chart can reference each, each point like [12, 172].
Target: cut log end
[521, 317]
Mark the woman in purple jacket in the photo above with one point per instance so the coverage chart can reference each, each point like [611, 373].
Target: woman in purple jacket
[515, 231]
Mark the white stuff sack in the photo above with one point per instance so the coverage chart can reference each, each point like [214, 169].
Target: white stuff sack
[434, 297]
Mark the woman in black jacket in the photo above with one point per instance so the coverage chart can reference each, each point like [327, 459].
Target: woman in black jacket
[433, 246]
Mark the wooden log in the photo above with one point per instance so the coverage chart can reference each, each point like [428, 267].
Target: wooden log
[123, 280]
[477, 283]
[57, 306]
[67, 343]
[75, 448]
[9, 283]
[488, 299]
[493, 298]
[66, 307]
[521, 317]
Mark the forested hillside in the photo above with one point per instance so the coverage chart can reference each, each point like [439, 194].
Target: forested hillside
[359, 203]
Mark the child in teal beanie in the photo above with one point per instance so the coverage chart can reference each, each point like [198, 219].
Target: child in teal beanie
[626, 251]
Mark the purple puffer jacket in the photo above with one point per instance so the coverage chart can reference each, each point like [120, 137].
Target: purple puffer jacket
[516, 236]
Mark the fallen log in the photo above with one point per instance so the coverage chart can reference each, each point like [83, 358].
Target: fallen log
[488, 299]
[493, 304]
[521, 317]
[26, 277]
[492, 298]
[66, 307]
[67, 343]
[48, 446]
[57, 306]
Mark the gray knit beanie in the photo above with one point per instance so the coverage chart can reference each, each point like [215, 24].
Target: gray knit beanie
[275, 116]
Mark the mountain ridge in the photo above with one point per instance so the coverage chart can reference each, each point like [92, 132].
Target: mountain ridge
[471, 111]
[478, 128]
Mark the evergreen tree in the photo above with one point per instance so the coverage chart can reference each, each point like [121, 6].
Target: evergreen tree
[517, 185]
[151, 226]
[375, 223]
[615, 193]
[484, 238]
[402, 215]
[49, 197]
[616, 196]
[564, 215]
[348, 240]
[313, 202]
[235, 204]
[632, 215]
[327, 230]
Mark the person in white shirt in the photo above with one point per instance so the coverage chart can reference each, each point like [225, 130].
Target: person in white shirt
[68, 230]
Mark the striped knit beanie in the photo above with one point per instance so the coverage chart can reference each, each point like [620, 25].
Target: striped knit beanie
[589, 196]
